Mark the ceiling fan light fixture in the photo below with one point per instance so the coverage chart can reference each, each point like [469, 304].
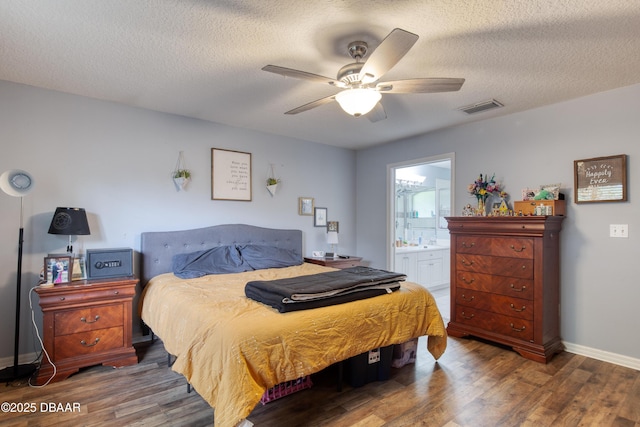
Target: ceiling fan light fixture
[358, 102]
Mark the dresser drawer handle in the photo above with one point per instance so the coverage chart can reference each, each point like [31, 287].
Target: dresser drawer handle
[519, 310]
[84, 319]
[465, 262]
[467, 299]
[116, 292]
[468, 317]
[62, 298]
[518, 250]
[84, 343]
[472, 244]
[468, 282]
[522, 289]
[518, 329]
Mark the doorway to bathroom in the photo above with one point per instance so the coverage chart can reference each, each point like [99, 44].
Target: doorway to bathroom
[420, 198]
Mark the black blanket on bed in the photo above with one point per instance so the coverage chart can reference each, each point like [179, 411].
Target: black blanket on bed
[319, 290]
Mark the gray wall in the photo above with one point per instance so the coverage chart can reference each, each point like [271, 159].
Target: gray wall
[116, 161]
[598, 288]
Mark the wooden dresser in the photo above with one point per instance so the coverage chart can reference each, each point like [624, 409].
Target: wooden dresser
[505, 282]
[86, 323]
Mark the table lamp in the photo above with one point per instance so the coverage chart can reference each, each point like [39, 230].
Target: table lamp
[332, 238]
[69, 222]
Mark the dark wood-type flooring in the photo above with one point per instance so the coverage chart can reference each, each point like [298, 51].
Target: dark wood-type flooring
[473, 384]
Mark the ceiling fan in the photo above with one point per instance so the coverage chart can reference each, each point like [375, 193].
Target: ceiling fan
[359, 80]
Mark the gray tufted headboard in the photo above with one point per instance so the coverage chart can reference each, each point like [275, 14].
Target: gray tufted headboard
[159, 247]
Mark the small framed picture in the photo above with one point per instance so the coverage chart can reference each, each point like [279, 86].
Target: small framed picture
[305, 206]
[58, 269]
[333, 226]
[79, 268]
[320, 217]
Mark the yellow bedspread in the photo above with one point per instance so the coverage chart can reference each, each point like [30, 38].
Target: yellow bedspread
[231, 348]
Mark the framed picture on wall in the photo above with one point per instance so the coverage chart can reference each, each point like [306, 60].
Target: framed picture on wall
[320, 217]
[230, 175]
[601, 179]
[305, 206]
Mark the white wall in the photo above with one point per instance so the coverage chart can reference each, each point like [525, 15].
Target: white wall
[599, 293]
[116, 161]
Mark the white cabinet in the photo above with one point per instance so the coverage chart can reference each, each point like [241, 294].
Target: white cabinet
[406, 263]
[429, 268]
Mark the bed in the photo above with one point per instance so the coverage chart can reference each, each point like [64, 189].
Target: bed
[231, 349]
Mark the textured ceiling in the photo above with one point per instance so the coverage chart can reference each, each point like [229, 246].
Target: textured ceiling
[203, 58]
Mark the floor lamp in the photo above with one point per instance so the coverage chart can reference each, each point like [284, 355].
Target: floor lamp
[17, 183]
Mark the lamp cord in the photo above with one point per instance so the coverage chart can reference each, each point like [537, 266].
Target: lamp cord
[44, 350]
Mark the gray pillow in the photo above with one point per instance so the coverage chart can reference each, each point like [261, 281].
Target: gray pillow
[218, 260]
[261, 256]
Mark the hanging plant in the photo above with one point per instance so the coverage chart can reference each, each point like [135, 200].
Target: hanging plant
[272, 182]
[181, 175]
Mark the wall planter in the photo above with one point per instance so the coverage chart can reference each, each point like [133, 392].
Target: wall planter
[181, 176]
[272, 183]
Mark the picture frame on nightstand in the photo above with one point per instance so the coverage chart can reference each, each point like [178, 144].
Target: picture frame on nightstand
[58, 269]
[79, 270]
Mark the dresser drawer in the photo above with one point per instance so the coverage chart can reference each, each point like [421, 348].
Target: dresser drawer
[513, 286]
[471, 244]
[88, 319]
[512, 267]
[476, 263]
[89, 342]
[501, 304]
[512, 247]
[514, 327]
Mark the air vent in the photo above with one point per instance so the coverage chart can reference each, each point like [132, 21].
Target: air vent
[481, 106]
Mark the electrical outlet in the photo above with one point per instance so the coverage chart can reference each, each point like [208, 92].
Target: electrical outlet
[619, 230]
[374, 356]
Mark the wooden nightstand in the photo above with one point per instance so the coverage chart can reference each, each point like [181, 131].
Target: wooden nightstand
[351, 261]
[86, 323]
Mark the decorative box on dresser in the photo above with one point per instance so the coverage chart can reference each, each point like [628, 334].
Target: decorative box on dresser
[505, 278]
[86, 323]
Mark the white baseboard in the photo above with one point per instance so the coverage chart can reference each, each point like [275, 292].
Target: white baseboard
[605, 356]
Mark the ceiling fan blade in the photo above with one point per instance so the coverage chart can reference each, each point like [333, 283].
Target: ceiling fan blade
[312, 104]
[297, 74]
[377, 113]
[431, 85]
[387, 54]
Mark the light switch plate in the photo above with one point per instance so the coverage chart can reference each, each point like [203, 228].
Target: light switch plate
[619, 230]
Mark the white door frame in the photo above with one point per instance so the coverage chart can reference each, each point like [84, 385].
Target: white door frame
[391, 199]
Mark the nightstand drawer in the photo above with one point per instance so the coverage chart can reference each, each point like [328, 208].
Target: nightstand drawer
[88, 342]
[83, 294]
[88, 319]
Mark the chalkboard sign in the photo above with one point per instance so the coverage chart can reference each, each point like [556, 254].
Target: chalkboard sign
[230, 175]
[601, 179]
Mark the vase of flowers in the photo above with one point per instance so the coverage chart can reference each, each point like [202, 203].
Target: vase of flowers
[482, 188]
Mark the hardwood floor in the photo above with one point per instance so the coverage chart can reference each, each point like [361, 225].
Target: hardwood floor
[473, 384]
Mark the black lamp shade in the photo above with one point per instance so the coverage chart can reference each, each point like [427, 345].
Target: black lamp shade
[70, 222]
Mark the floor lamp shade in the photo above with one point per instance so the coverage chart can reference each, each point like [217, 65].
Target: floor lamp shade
[17, 183]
